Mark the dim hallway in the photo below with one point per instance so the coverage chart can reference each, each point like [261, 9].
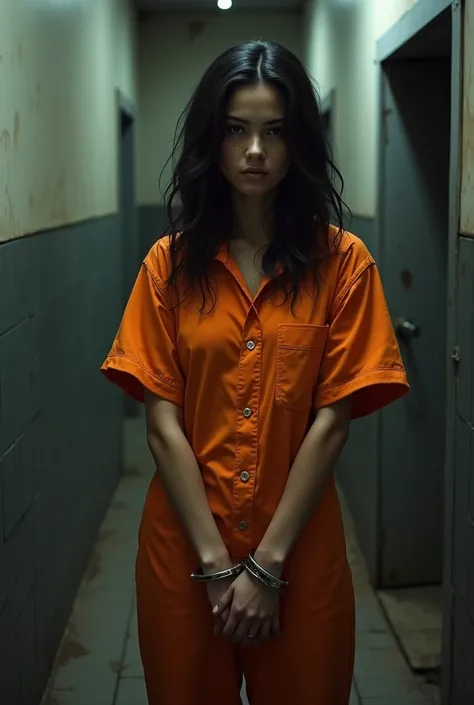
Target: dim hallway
[90, 96]
[98, 662]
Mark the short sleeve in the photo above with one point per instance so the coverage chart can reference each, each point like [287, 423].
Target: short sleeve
[143, 354]
[361, 356]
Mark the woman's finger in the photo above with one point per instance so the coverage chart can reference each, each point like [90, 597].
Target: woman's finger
[241, 631]
[224, 602]
[254, 631]
[220, 622]
[231, 624]
[253, 635]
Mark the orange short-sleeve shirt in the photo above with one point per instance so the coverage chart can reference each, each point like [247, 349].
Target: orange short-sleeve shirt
[251, 373]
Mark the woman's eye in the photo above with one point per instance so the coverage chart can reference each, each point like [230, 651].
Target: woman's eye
[274, 131]
[234, 129]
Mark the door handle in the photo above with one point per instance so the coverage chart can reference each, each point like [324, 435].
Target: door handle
[406, 329]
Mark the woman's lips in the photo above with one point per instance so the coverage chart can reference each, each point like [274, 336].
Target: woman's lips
[254, 174]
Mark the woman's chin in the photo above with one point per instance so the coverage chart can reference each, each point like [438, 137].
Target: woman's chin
[253, 190]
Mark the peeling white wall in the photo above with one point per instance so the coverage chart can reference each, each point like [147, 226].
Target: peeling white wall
[174, 52]
[339, 49]
[467, 180]
[60, 63]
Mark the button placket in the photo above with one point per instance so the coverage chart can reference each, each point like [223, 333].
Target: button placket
[248, 395]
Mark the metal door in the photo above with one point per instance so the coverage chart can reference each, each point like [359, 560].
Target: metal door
[414, 202]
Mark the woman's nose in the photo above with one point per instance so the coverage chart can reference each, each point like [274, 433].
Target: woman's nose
[255, 148]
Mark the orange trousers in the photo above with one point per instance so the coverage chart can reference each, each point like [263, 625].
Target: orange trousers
[186, 664]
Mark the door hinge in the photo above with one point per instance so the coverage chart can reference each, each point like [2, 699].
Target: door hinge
[455, 357]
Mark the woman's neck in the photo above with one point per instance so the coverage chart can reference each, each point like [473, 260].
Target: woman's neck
[252, 220]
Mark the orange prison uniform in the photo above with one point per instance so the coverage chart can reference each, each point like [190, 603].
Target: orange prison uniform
[250, 376]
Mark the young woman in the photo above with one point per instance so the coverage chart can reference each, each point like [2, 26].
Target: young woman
[254, 334]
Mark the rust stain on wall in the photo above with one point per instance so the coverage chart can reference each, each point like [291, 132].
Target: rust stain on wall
[16, 130]
[5, 140]
[10, 213]
[58, 207]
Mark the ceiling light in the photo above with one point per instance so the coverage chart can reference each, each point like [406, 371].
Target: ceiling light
[224, 4]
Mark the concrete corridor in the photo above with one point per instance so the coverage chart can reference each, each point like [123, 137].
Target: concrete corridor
[98, 661]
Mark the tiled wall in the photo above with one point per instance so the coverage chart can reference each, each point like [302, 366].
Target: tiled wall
[60, 434]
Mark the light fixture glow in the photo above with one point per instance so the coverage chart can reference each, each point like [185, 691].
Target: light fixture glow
[224, 4]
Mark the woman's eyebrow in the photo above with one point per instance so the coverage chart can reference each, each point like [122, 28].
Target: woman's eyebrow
[240, 120]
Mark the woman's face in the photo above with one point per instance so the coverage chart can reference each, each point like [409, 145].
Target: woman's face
[254, 155]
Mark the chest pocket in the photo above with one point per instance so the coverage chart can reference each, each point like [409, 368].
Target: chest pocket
[299, 352]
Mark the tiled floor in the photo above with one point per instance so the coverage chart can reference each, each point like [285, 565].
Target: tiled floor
[416, 616]
[98, 662]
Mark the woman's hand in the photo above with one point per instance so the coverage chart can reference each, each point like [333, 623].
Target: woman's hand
[216, 589]
[215, 592]
[254, 611]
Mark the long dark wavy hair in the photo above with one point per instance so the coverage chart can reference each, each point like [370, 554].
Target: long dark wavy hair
[198, 199]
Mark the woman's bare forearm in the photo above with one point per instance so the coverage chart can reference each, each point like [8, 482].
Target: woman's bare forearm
[182, 481]
[307, 479]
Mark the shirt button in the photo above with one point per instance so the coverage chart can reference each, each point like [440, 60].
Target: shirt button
[247, 413]
[242, 525]
[251, 345]
[245, 476]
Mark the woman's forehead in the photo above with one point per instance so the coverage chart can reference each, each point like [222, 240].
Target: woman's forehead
[260, 102]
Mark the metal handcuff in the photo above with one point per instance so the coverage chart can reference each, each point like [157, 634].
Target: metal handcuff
[252, 567]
